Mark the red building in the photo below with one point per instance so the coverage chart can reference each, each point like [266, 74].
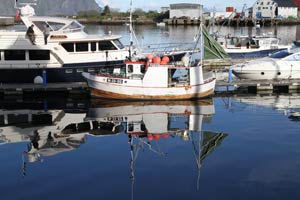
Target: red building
[298, 4]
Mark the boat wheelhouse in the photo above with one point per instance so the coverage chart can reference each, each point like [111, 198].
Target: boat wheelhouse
[250, 47]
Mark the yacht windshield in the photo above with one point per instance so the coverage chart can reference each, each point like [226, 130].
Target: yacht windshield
[280, 54]
[119, 44]
[55, 25]
[73, 27]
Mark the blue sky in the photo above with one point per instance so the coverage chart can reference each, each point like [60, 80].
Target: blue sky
[220, 5]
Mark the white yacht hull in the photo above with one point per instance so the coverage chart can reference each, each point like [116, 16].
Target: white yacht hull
[268, 70]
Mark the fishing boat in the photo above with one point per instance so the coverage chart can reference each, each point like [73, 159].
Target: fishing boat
[152, 80]
[155, 78]
[250, 47]
[281, 65]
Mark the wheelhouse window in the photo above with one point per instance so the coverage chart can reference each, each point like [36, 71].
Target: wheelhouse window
[119, 44]
[106, 45]
[39, 55]
[82, 46]
[69, 47]
[14, 55]
[93, 46]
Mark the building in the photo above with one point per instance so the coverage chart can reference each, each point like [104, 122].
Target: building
[298, 4]
[274, 9]
[186, 10]
[164, 9]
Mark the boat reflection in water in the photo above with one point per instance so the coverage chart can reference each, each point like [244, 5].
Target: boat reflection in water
[145, 122]
[49, 132]
[288, 104]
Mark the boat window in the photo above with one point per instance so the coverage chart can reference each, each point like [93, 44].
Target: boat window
[93, 46]
[280, 54]
[69, 71]
[41, 25]
[79, 70]
[106, 45]
[119, 44]
[143, 69]
[39, 55]
[69, 47]
[129, 68]
[56, 26]
[14, 55]
[74, 26]
[82, 46]
[294, 57]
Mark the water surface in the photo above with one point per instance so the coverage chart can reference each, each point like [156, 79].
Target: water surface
[240, 147]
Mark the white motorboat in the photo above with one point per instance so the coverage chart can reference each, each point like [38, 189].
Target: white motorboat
[281, 65]
[250, 47]
[69, 51]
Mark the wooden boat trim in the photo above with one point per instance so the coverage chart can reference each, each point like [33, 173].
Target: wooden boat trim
[112, 95]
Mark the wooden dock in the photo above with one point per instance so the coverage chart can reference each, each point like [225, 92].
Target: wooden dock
[20, 89]
[222, 87]
[259, 86]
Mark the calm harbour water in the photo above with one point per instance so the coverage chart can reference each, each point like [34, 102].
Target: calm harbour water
[249, 149]
[238, 147]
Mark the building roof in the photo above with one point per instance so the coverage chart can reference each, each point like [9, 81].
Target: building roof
[184, 5]
[285, 3]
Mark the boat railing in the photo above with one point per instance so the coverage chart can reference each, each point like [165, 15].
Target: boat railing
[168, 47]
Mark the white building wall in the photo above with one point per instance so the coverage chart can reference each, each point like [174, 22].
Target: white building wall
[264, 9]
[192, 13]
[286, 12]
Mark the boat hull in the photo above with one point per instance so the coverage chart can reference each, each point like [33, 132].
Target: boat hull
[111, 95]
[134, 89]
[63, 74]
[252, 54]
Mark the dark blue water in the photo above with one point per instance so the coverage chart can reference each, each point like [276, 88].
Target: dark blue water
[222, 148]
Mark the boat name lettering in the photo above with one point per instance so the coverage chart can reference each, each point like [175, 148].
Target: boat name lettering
[112, 80]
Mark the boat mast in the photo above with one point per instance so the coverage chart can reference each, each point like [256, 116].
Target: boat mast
[130, 31]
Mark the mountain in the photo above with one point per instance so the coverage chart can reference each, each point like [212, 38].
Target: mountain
[51, 7]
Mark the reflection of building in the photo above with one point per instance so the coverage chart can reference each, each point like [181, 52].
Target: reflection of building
[186, 10]
[274, 9]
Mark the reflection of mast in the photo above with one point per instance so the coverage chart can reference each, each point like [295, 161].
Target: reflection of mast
[207, 142]
[134, 151]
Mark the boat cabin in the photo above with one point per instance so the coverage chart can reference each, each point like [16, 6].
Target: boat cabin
[255, 42]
